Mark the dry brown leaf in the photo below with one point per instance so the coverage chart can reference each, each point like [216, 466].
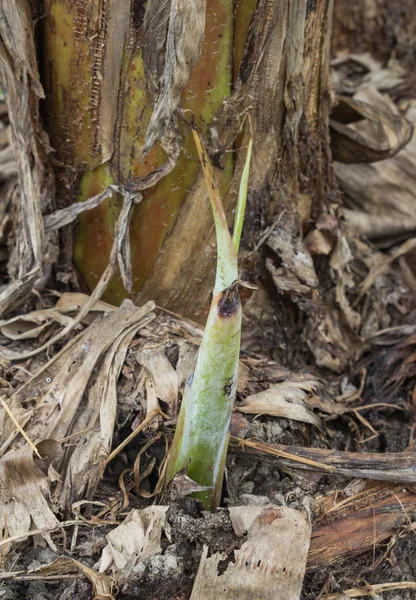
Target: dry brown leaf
[352, 71]
[379, 197]
[293, 253]
[165, 379]
[136, 539]
[270, 565]
[24, 495]
[98, 419]
[32, 325]
[280, 400]
[55, 395]
[367, 128]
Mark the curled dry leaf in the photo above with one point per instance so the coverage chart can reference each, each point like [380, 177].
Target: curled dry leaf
[270, 565]
[32, 325]
[367, 128]
[286, 399]
[41, 323]
[379, 197]
[165, 379]
[293, 253]
[352, 71]
[136, 539]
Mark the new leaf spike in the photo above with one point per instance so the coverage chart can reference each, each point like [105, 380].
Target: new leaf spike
[202, 433]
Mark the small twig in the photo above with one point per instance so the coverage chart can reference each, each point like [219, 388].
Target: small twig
[23, 536]
[18, 426]
[22, 576]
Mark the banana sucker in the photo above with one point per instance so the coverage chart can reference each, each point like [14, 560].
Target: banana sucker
[202, 432]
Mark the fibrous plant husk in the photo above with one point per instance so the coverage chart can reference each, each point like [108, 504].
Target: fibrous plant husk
[72, 394]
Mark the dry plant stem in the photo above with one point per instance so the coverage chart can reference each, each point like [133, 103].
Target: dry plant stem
[202, 433]
[394, 467]
[281, 453]
[24, 536]
[65, 216]
[359, 523]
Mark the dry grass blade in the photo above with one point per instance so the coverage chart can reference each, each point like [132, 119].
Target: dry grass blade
[24, 536]
[102, 584]
[371, 590]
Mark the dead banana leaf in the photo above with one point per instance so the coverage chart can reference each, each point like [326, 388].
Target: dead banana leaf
[48, 405]
[286, 399]
[183, 45]
[367, 127]
[22, 90]
[270, 565]
[136, 539]
[165, 379]
[352, 71]
[98, 419]
[24, 492]
[46, 322]
[32, 325]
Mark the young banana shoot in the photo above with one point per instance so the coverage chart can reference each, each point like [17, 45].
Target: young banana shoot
[202, 433]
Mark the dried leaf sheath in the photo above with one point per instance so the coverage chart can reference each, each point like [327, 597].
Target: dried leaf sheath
[202, 434]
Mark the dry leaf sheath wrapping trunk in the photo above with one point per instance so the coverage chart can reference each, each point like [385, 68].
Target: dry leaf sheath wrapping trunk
[105, 68]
